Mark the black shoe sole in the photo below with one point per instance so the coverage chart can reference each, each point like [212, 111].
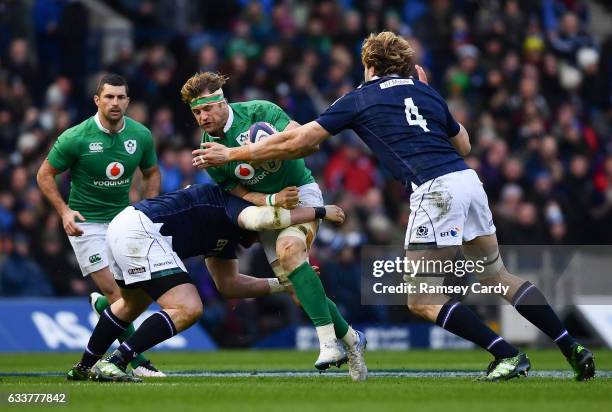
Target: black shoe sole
[588, 368]
[522, 369]
[101, 378]
[325, 366]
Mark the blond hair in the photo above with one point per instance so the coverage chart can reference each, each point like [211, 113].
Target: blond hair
[200, 83]
[388, 53]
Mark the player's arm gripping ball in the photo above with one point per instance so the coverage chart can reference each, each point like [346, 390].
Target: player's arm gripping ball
[287, 198]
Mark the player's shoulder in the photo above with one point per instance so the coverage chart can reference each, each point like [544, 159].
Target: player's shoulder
[256, 106]
[136, 127]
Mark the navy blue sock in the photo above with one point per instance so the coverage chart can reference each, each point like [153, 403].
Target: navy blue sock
[108, 329]
[460, 320]
[532, 305]
[155, 329]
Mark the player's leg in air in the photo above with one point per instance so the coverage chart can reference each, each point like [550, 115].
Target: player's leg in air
[287, 251]
[90, 249]
[531, 304]
[440, 221]
[172, 289]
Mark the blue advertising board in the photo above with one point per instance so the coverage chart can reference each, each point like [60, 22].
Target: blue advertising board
[380, 337]
[66, 325]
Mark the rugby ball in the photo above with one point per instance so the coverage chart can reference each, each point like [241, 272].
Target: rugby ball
[260, 130]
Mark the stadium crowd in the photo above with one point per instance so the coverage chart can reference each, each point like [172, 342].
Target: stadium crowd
[527, 79]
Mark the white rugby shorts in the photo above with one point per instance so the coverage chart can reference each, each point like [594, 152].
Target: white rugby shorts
[449, 210]
[90, 247]
[137, 251]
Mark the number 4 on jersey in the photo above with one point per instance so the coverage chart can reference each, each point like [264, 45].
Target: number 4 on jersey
[412, 115]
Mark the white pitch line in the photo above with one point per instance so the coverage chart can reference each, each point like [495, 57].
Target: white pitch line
[381, 374]
[329, 374]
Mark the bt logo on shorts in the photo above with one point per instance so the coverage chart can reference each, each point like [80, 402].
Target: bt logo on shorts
[95, 258]
[422, 231]
[454, 232]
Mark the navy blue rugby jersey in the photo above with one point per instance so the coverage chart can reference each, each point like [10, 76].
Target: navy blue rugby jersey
[202, 220]
[404, 122]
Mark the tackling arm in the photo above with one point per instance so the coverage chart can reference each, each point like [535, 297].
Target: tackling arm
[268, 218]
[289, 144]
[232, 284]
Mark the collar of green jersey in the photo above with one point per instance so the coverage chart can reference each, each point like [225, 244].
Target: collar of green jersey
[104, 129]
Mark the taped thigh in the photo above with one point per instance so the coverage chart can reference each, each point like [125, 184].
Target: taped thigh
[487, 266]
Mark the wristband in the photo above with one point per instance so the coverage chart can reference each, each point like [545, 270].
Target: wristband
[269, 200]
[320, 212]
[273, 200]
[275, 286]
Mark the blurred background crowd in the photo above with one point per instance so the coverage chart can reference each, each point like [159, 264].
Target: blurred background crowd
[530, 80]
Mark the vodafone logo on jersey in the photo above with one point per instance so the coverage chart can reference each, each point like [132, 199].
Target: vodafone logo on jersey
[114, 170]
[244, 171]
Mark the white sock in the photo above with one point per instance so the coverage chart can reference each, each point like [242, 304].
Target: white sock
[351, 337]
[326, 334]
[275, 286]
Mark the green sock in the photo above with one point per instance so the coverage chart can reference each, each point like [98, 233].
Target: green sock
[341, 326]
[310, 292]
[100, 305]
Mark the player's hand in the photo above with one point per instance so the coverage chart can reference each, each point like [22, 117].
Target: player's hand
[287, 198]
[334, 214]
[68, 219]
[421, 73]
[198, 160]
[210, 154]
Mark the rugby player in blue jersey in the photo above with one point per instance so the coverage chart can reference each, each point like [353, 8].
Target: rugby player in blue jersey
[145, 244]
[409, 128]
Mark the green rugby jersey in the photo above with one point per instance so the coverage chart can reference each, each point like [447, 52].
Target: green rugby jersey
[102, 165]
[270, 176]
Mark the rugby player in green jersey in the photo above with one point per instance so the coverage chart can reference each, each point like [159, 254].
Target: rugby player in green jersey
[102, 154]
[282, 184]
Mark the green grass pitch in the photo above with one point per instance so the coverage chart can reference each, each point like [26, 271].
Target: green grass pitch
[284, 381]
